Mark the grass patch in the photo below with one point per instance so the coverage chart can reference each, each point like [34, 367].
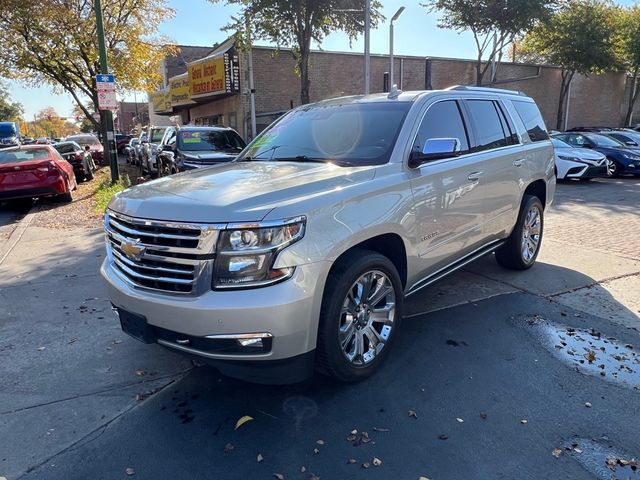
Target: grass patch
[106, 190]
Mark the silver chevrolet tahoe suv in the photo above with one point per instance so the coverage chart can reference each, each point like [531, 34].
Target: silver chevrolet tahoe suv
[299, 254]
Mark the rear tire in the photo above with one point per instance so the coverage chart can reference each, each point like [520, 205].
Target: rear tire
[360, 316]
[66, 197]
[523, 245]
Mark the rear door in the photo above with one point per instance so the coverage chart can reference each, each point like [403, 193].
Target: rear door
[447, 192]
[498, 150]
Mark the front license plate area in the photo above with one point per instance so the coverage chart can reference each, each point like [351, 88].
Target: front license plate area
[136, 326]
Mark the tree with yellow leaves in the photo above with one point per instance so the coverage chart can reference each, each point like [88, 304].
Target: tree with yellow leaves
[55, 43]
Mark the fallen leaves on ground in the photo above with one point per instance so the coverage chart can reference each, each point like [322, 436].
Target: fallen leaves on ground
[242, 420]
[303, 469]
[459, 420]
[314, 477]
[320, 442]
[358, 439]
[524, 422]
[40, 349]
[588, 404]
[141, 373]
[228, 447]
[365, 465]
[378, 429]
[130, 471]
[376, 462]
[556, 452]
[443, 436]
[279, 476]
[412, 414]
[259, 458]
[483, 415]
[423, 478]
[351, 461]
[316, 451]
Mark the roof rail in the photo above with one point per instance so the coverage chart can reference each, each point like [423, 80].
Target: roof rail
[471, 88]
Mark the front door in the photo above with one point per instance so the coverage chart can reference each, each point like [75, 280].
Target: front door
[447, 193]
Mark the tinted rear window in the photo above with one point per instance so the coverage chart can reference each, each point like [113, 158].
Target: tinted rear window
[157, 134]
[488, 125]
[85, 140]
[23, 155]
[67, 147]
[533, 122]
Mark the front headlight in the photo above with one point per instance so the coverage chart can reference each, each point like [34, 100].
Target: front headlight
[630, 156]
[569, 159]
[246, 254]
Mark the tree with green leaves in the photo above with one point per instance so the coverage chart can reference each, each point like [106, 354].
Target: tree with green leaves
[9, 110]
[56, 43]
[627, 47]
[297, 23]
[494, 24]
[579, 38]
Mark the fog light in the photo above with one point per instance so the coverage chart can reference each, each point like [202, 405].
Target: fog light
[250, 342]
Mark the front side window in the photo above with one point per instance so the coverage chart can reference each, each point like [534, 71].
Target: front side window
[157, 134]
[208, 140]
[350, 133]
[487, 124]
[533, 122]
[604, 141]
[442, 120]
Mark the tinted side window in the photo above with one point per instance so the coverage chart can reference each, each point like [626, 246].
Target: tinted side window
[487, 124]
[442, 120]
[532, 120]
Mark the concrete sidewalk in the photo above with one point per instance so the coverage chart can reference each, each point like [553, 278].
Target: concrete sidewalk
[67, 370]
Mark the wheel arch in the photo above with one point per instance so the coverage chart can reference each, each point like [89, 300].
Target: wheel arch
[538, 188]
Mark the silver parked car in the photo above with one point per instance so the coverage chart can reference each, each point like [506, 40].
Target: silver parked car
[299, 254]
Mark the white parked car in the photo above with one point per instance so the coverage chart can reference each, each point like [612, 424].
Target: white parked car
[580, 163]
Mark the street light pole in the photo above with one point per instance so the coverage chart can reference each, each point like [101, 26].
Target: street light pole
[367, 50]
[109, 144]
[393, 19]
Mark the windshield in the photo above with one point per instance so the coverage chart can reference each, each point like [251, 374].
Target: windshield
[157, 134]
[350, 133]
[67, 147]
[7, 130]
[626, 137]
[86, 140]
[13, 156]
[209, 140]
[559, 143]
[602, 141]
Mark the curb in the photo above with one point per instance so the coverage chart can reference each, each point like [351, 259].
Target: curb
[17, 233]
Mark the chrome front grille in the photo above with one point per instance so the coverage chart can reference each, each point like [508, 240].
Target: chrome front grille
[168, 257]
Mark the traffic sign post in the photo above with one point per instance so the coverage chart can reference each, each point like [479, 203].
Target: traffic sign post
[105, 84]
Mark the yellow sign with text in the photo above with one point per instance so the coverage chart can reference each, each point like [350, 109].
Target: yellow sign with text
[161, 101]
[207, 78]
[179, 88]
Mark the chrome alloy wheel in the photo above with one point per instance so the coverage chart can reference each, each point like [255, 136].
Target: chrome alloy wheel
[366, 317]
[531, 234]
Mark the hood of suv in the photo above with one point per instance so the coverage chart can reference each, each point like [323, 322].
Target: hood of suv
[235, 191]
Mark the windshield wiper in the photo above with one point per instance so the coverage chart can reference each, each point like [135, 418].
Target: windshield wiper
[305, 158]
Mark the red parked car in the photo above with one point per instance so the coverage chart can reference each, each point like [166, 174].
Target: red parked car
[91, 141]
[35, 171]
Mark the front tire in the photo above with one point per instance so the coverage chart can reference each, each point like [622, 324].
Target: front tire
[612, 168]
[360, 316]
[523, 245]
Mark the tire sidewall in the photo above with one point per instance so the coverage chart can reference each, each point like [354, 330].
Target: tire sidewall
[529, 202]
[339, 283]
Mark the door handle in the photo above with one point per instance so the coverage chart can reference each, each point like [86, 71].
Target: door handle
[518, 163]
[474, 176]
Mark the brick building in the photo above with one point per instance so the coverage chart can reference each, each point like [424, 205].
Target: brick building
[130, 116]
[594, 100]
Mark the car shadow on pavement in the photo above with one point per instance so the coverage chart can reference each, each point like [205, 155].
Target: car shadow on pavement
[471, 391]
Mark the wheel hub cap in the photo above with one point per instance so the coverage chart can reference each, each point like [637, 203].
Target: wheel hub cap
[531, 232]
[367, 317]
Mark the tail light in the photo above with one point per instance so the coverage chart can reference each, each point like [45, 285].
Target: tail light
[79, 156]
[50, 168]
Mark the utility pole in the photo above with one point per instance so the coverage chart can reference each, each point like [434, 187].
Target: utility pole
[367, 49]
[108, 137]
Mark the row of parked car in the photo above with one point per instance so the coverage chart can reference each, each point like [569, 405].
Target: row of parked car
[589, 152]
[166, 150]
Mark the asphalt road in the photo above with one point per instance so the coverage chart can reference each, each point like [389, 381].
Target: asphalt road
[481, 362]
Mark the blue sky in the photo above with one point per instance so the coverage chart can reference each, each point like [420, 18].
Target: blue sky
[198, 22]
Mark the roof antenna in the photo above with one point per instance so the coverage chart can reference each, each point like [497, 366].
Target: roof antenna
[394, 93]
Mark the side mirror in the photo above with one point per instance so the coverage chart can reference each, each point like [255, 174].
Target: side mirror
[435, 149]
[167, 148]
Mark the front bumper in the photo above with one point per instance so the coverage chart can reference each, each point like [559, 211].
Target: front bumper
[287, 311]
[588, 172]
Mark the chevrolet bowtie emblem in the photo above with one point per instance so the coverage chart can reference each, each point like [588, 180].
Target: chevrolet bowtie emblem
[133, 251]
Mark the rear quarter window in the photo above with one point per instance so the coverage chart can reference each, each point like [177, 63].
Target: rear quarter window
[533, 122]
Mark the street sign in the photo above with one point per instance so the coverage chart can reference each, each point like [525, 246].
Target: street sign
[106, 89]
[107, 101]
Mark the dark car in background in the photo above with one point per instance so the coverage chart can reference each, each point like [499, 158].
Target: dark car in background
[91, 141]
[9, 134]
[121, 142]
[130, 150]
[621, 158]
[79, 158]
[187, 148]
